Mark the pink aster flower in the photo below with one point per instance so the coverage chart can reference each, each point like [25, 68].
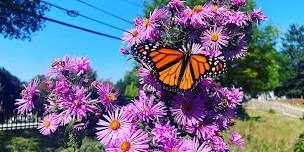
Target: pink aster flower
[204, 131]
[176, 145]
[26, 104]
[238, 3]
[200, 15]
[116, 125]
[132, 37]
[176, 4]
[196, 146]
[235, 96]
[188, 110]
[147, 79]
[123, 51]
[237, 18]
[148, 28]
[258, 15]
[219, 143]
[215, 39]
[48, 125]
[107, 94]
[162, 133]
[64, 118]
[79, 105]
[80, 65]
[134, 141]
[236, 139]
[61, 87]
[145, 109]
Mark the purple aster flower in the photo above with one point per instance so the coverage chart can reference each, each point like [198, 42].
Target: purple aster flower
[237, 18]
[116, 125]
[238, 51]
[162, 133]
[236, 139]
[258, 15]
[48, 125]
[148, 28]
[123, 51]
[61, 87]
[176, 145]
[132, 37]
[188, 110]
[219, 143]
[200, 15]
[145, 109]
[235, 96]
[107, 94]
[78, 105]
[147, 79]
[138, 21]
[26, 103]
[64, 118]
[134, 141]
[176, 5]
[200, 147]
[197, 49]
[214, 39]
[238, 3]
[203, 131]
[80, 65]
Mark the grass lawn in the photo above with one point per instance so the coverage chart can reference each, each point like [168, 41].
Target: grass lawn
[268, 132]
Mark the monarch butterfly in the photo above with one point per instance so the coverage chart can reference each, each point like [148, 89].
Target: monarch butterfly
[177, 70]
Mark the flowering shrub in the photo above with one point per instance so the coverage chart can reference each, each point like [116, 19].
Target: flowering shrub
[156, 120]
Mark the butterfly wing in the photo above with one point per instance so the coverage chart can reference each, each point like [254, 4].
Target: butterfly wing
[200, 67]
[166, 63]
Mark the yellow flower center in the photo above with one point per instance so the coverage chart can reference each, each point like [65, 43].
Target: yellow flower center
[46, 123]
[214, 8]
[146, 22]
[125, 146]
[134, 33]
[114, 125]
[187, 107]
[214, 37]
[112, 97]
[198, 8]
[173, 150]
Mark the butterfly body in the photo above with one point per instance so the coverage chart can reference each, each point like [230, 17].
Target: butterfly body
[176, 69]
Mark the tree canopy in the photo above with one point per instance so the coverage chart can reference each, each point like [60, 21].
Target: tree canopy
[14, 23]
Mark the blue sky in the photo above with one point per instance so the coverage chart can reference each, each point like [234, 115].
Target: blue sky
[27, 59]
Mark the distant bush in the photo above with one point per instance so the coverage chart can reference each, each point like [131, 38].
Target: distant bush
[299, 147]
[88, 145]
[21, 144]
[271, 111]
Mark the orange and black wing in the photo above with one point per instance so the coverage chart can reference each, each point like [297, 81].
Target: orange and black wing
[198, 68]
[166, 63]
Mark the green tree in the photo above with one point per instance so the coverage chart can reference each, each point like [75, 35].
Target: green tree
[258, 71]
[10, 88]
[293, 69]
[14, 23]
[128, 86]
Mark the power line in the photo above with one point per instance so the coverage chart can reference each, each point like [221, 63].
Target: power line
[104, 11]
[74, 13]
[63, 23]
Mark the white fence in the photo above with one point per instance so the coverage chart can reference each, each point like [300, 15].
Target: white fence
[279, 107]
